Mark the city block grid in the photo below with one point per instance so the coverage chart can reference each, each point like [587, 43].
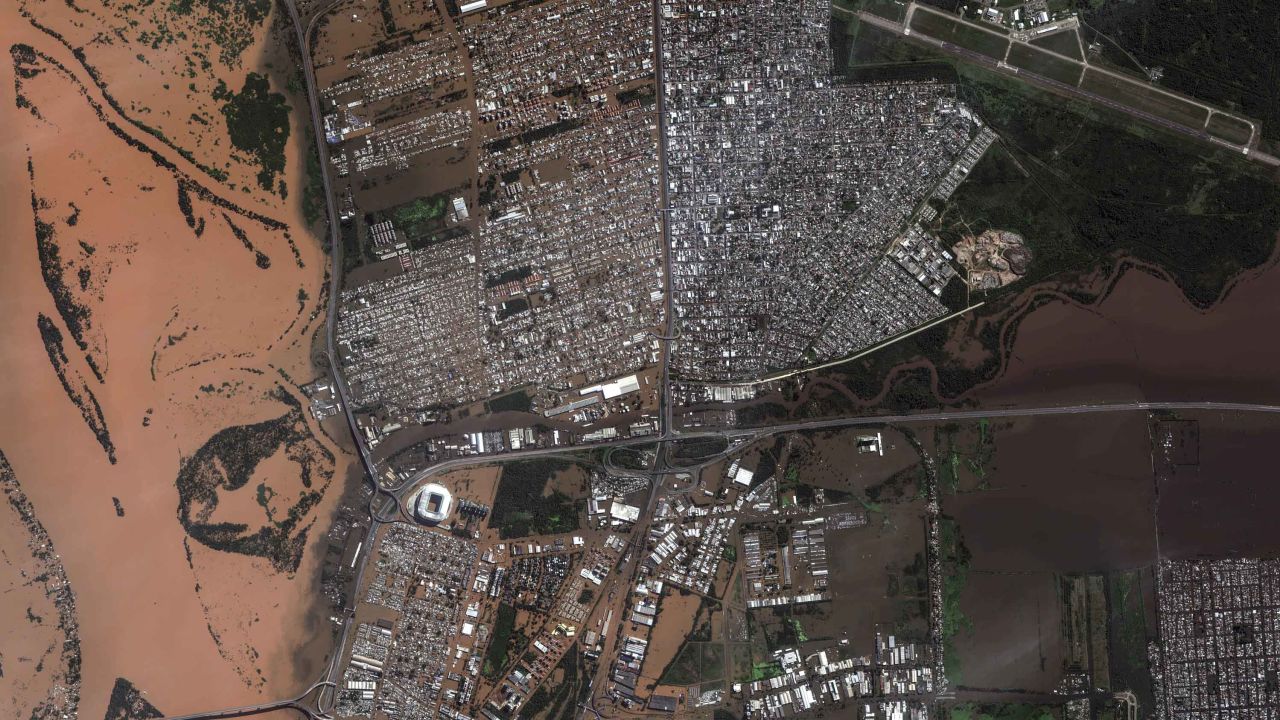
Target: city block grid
[637, 197]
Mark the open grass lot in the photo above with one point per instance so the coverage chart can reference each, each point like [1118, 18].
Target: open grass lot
[1143, 97]
[863, 52]
[1231, 129]
[1042, 63]
[888, 9]
[1065, 42]
[958, 32]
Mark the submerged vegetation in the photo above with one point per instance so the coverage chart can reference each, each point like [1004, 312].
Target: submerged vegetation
[955, 573]
[522, 507]
[500, 646]
[128, 703]
[74, 385]
[258, 123]
[1000, 711]
[1086, 187]
[226, 463]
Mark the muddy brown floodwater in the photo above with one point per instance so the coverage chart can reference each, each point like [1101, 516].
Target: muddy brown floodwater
[1067, 494]
[1016, 640]
[1223, 505]
[1145, 341]
[157, 321]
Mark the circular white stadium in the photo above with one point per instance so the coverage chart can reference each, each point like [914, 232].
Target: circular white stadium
[432, 503]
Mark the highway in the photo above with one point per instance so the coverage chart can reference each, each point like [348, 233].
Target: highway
[335, 288]
[335, 232]
[671, 332]
[243, 711]
[298, 704]
[950, 415]
[405, 489]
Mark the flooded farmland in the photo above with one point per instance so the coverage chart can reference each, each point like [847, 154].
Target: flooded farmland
[160, 295]
[1065, 494]
[1064, 523]
[1216, 503]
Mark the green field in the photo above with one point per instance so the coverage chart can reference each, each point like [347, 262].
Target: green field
[1145, 98]
[1065, 42]
[700, 662]
[1231, 129]
[887, 9]
[958, 32]
[495, 656]
[1042, 63]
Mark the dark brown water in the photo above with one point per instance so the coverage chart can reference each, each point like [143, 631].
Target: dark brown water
[1145, 341]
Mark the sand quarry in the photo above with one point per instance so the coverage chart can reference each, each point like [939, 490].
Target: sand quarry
[158, 301]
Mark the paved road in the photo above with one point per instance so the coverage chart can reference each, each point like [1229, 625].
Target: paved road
[947, 415]
[335, 228]
[404, 490]
[335, 287]
[243, 711]
[671, 332]
[745, 433]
